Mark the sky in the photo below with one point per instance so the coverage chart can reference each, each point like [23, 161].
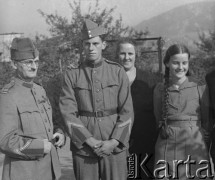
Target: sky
[22, 16]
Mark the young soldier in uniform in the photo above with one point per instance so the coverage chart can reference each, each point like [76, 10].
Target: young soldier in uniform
[26, 128]
[96, 104]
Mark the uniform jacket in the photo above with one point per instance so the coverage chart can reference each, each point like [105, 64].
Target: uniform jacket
[25, 120]
[100, 87]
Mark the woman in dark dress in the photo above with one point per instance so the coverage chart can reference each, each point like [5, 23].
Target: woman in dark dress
[143, 134]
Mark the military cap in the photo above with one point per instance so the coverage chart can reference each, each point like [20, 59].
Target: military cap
[91, 29]
[23, 48]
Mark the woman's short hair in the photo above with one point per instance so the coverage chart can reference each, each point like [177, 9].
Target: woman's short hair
[125, 40]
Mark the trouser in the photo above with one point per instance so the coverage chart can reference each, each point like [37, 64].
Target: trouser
[113, 167]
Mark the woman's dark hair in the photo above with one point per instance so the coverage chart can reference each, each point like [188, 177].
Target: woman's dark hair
[173, 50]
[125, 40]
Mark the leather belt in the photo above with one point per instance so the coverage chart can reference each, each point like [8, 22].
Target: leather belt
[97, 113]
[184, 123]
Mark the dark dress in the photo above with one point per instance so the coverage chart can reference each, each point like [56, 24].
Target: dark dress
[143, 134]
[210, 79]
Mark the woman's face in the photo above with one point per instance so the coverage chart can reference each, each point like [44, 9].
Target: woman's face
[127, 55]
[178, 65]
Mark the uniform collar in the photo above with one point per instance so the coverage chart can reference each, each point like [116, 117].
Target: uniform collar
[94, 65]
[23, 83]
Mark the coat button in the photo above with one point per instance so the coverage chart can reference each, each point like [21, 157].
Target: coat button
[94, 71]
[49, 130]
[97, 90]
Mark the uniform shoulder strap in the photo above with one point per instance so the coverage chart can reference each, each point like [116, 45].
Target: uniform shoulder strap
[7, 87]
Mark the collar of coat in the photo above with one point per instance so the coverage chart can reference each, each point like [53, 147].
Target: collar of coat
[24, 83]
[188, 83]
[94, 65]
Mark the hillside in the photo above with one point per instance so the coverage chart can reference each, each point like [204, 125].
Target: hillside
[182, 23]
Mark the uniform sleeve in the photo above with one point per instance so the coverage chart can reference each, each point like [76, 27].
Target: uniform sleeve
[68, 107]
[122, 129]
[204, 107]
[12, 141]
[157, 102]
[205, 116]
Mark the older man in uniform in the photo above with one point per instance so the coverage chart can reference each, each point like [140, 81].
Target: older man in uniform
[96, 104]
[26, 128]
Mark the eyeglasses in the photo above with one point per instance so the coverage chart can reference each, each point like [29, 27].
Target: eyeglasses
[29, 62]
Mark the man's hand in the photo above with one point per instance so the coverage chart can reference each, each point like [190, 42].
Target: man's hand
[107, 148]
[60, 139]
[94, 143]
[47, 146]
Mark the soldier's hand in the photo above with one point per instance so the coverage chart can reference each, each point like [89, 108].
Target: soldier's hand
[47, 146]
[94, 143]
[107, 148]
[59, 139]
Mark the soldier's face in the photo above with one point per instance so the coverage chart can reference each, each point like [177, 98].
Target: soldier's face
[93, 48]
[127, 55]
[27, 69]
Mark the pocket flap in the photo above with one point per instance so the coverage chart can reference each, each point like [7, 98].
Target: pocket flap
[29, 109]
[109, 84]
[82, 85]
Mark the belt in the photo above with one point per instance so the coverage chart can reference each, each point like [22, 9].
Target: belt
[182, 123]
[97, 113]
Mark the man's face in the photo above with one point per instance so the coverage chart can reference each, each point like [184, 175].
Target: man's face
[27, 69]
[93, 48]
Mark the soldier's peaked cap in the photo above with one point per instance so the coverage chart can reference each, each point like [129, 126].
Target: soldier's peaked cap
[91, 29]
[23, 48]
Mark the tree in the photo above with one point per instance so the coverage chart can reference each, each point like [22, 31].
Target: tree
[207, 42]
[66, 33]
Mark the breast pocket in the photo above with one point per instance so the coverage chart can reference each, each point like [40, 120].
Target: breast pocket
[30, 120]
[172, 109]
[110, 93]
[192, 105]
[83, 94]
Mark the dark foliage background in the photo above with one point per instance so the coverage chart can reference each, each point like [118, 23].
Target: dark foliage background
[64, 48]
